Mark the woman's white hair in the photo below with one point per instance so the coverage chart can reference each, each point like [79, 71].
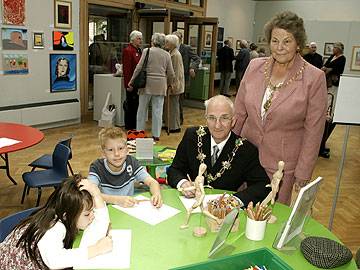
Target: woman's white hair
[135, 34]
[172, 39]
[158, 39]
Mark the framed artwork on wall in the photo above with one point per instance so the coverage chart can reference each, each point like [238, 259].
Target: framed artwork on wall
[14, 38]
[13, 12]
[14, 64]
[63, 41]
[328, 48]
[38, 40]
[208, 39]
[63, 12]
[355, 59]
[261, 39]
[238, 45]
[62, 72]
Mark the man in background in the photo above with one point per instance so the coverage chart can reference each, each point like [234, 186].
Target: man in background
[191, 62]
[130, 58]
[313, 57]
[225, 58]
[242, 61]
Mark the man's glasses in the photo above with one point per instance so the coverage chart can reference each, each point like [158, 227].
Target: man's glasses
[223, 119]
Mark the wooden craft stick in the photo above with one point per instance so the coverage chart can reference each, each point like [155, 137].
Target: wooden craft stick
[250, 213]
[188, 176]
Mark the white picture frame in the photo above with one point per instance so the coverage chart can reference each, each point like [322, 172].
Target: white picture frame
[300, 211]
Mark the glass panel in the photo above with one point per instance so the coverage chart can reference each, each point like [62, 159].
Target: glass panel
[109, 30]
[196, 3]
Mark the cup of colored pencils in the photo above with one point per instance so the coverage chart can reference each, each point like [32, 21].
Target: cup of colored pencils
[256, 220]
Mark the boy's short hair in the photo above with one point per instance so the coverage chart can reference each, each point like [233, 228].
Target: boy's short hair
[111, 133]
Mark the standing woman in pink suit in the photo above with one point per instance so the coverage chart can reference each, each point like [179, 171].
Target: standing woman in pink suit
[281, 105]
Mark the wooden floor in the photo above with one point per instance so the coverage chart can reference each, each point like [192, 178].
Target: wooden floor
[85, 150]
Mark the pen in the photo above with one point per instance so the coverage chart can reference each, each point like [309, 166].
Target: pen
[108, 229]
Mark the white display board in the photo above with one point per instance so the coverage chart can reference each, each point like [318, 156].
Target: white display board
[347, 107]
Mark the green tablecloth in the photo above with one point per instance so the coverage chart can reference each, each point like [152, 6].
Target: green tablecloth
[166, 246]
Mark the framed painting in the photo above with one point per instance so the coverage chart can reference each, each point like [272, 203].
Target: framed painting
[208, 39]
[328, 48]
[238, 47]
[355, 59]
[63, 41]
[14, 64]
[63, 12]
[13, 12]
[14, 39]
[62, 72]
[261, 39]
[38, 40]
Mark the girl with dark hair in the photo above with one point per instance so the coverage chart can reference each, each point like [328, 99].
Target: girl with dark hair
[44, 240]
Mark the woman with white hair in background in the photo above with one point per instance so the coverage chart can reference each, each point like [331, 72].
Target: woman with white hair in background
[178, 85]
[160, 73]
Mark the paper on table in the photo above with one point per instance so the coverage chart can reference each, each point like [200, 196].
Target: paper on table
[146, 212]
[188, 202]
[7, 142]
[118, 258]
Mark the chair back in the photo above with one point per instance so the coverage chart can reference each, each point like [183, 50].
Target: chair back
[67, 142]
[7, 224]
[60, 158]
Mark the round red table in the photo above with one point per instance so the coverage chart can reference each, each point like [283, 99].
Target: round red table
[28, 136]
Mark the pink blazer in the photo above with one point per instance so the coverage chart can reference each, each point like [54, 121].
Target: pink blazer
[294, 125]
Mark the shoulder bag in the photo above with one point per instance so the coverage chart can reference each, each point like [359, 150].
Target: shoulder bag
[140, 79]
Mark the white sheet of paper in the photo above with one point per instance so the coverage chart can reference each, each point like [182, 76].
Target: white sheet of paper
[118, 258]
[7, 142]
[146, 212]
[188, 202]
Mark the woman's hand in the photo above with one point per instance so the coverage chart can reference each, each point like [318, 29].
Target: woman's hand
[156, 200]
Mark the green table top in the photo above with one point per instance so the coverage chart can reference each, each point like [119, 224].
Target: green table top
[166, 246]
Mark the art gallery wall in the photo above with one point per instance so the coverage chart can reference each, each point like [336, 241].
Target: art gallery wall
[325, 21]
[34, 87]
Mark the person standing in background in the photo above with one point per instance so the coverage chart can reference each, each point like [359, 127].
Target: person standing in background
[333, 68]
[225, 57]
[281, 105]
[191, 62]
[241, 63]
[253, 52]
[130, 58]
[159, 74]
[313, 57]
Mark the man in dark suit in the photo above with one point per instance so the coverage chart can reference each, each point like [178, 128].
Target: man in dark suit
[191, 62]
[313, 57]
[225, 58]
[230, 160]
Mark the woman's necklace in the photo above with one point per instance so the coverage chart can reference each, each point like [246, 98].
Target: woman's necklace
[226, 165]
[274, 88]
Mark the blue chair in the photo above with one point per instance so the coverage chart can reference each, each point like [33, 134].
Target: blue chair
[7, 224]
[49, 177]
[45, 161]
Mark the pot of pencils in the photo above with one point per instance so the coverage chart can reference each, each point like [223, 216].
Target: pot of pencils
[220, 207]
[256, 221]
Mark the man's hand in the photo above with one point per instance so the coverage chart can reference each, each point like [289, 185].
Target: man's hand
[188, 189]
[126, 201]
[192, 73]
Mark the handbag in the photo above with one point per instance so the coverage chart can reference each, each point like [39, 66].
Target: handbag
[140, 79]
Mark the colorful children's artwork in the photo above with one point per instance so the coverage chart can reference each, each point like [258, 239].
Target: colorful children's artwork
[15, 64]
[14, 12]
[62, 72]
[63, 41]
[14, 39]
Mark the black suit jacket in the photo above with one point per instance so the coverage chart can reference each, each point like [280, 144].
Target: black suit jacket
[190, 59]
[225, 57]
[245, 166]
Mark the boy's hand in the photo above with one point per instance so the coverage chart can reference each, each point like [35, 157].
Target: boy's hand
[126, 201]
[156, 200]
